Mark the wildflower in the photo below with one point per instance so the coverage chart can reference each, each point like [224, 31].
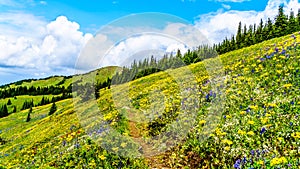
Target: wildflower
[237, 163]
[123, 145]
[244, 160]
[296, 135]
[277, 161]
[263, 130]
[264, 120]
[291, 123]
[287, 85]
[202, 122]
[260, 162]
[251, 122]
[241, 132]
[227, 148]
[226, 141]
[251, 133]
[102, 157]
[252, 152]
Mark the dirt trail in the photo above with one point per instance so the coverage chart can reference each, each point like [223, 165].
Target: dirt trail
[154, 161]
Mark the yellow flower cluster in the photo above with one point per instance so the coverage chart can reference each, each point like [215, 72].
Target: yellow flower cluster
[296, 135]
[219, 132]
[277, 161]
[241, 132]
[226, 141]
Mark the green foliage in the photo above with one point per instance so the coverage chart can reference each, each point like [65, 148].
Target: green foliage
[3, 111]
[8, 102]
[28, 115]
[52, 109]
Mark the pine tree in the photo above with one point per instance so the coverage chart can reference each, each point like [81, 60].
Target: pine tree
[239, 35]
[14, 109]
[281, 23]
[3, 111]
[28, 115]
[298, 19]
[292, 25]
[8, 102]
[52, 109]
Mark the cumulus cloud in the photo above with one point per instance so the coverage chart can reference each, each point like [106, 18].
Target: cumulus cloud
[217, 25]
[29, 42]
[120, 45]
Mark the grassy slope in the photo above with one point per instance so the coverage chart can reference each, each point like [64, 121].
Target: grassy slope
[53, 81]
[29, 143]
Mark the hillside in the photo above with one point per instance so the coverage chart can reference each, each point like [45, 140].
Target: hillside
[241, 114]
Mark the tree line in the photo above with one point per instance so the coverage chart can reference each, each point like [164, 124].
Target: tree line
[253, 34]
[34, 91]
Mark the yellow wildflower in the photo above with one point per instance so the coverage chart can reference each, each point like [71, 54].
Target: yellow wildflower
[241, 132]
[251, 133]
[202, 122]
[123, 145]
[102, 157]
[251, 122]
[277, 161]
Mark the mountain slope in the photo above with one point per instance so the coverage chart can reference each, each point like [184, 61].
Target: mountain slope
[257, 124]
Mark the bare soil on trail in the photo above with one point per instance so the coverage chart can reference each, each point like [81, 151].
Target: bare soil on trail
[154, 161]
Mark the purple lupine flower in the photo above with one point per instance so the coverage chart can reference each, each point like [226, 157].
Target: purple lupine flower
[64, 143]
[291, 123]
[292, 102]
[244, 160]
[237, 163]
[263, 130]
[252, 152]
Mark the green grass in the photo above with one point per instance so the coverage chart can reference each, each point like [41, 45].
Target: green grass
[257, 94]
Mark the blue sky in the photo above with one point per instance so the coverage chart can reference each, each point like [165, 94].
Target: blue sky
[43, 38]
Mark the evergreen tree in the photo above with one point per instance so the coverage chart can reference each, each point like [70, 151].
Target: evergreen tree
[8, 102]
[28, 115]
[14, 109]
[281, 23]
[52, 109]
[3, 111]
[298, 19]
[292, 25]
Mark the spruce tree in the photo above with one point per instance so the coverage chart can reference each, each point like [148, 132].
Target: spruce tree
[8, 102]
[292, 25]
[28, 115]
[52, 109]
[281, 23]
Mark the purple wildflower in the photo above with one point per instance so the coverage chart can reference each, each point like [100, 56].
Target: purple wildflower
[263, 130]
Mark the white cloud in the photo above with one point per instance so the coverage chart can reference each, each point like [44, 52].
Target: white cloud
[119, 45]
[30, 43]
[217, 25]
[226, 6]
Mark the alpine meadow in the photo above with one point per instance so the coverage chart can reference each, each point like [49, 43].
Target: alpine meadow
[171, 112]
